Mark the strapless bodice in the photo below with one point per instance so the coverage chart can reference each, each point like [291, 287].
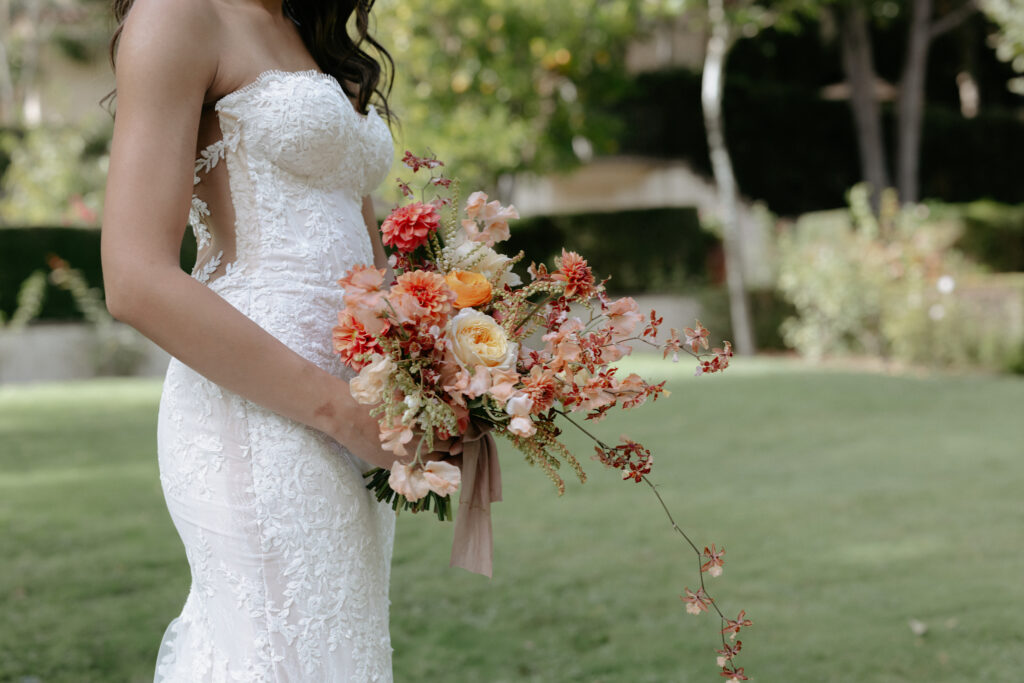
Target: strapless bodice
[299, 160]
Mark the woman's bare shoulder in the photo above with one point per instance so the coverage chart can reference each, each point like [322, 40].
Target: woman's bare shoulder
[169, 32]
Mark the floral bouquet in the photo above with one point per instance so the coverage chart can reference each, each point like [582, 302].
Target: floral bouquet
[458, 348]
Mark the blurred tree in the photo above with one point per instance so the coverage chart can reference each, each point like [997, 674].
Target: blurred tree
[727, 22]
[494, 87]
[929, 19]
[27, 27]
[926, 20]
[1008, 41]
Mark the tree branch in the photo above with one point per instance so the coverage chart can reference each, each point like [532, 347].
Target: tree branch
[953, 19]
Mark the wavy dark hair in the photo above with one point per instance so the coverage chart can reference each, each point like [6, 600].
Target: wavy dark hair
[323, 25]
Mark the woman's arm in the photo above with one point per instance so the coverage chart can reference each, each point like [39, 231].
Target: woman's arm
[380, 259]
[167, 60]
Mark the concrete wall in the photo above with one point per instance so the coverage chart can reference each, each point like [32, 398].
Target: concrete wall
[58, 352]
[55, 352]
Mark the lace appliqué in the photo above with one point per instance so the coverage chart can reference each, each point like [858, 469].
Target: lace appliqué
[199, 211]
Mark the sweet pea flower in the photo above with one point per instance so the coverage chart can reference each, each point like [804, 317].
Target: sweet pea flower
[519, 407]
[368, 387]
[408, 480]
[395, 437]
[443, 478]
[503, 383]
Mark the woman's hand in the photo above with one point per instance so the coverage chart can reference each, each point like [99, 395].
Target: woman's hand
[359, 432]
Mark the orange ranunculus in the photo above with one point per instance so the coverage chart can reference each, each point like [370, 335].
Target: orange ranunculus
[472, 289]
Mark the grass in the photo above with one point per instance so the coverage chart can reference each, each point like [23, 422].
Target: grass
[849, 504]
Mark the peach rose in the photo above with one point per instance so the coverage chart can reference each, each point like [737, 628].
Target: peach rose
[472, 289]
[476, 339]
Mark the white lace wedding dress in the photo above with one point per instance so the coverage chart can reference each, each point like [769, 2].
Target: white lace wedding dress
[289, 553]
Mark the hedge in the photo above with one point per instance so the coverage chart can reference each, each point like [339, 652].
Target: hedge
[642, 251]
[650, 250]
[26, 250]
[798, 152]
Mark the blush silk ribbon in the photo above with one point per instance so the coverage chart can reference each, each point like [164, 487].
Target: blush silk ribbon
[473, 545]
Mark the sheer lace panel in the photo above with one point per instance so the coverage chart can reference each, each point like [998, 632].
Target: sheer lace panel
[214, 252]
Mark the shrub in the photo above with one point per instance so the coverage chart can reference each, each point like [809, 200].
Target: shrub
[993, 234]
[53, 175]
[882, 286]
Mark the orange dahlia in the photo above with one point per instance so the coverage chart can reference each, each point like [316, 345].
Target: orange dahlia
[410, 226]
[421, 297]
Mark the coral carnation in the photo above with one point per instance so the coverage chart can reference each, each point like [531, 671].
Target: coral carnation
[539, 385]
[422, 298]
[410, 226]
[362, 287]
[351, 340]
[575, 273]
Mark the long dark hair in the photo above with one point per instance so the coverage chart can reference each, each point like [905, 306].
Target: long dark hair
[323, 25]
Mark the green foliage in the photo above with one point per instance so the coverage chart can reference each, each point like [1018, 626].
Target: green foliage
[24, 251]
[993, 234]
[117, 351]
[1009, 39]
[492, 87]
[877, 286]
[31, 295]
[54, 176]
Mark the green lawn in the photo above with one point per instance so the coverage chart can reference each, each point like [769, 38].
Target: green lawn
[849, 505]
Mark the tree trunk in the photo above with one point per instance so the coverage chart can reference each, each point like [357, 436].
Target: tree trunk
[859, 67]
[27, 91]
[911, 101]
[921, 33]
[711, 98]
[8, 107]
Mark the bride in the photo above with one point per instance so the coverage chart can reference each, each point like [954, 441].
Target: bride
[251, 121]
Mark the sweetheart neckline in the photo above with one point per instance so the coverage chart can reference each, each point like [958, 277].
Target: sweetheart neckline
[315, 74]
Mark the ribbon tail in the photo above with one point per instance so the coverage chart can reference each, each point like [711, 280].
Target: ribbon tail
[473, 545]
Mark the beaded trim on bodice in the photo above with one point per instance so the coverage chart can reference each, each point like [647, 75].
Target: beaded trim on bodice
[314, 137]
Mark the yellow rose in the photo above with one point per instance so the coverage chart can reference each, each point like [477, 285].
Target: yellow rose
[476, 339]
[472, 289]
